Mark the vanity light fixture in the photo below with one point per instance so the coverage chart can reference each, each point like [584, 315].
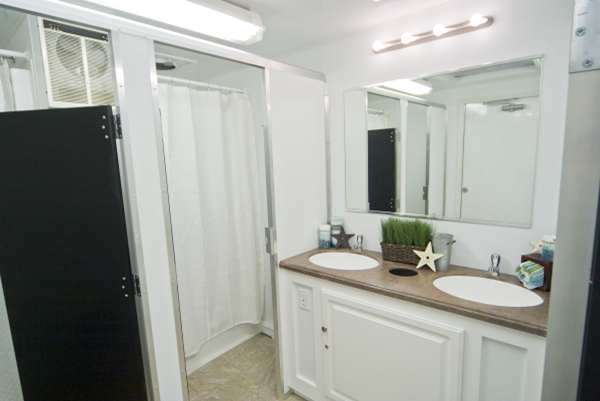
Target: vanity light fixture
[207, 17]
[439, 31]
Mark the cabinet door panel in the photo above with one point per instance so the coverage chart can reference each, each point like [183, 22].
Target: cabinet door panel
[379, 354]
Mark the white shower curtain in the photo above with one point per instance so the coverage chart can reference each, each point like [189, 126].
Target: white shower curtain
[212, 177]
[6, 93]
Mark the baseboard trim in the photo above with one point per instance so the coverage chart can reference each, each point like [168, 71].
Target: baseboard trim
[267, 328]
[222, 343]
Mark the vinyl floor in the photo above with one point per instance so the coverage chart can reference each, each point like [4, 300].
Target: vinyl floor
[245, 373]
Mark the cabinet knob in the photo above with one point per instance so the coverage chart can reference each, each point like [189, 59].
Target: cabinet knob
[326, 346]
[324, 329]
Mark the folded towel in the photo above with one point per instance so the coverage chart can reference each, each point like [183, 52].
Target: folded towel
[531, 274]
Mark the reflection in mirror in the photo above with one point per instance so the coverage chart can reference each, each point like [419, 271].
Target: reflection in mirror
[459, 145]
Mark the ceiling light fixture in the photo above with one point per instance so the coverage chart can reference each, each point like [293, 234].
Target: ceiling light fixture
[207, 17]
[439, 31]
[414, 87]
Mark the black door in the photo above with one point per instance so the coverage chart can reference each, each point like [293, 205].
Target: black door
[382, 169]
[64, 258]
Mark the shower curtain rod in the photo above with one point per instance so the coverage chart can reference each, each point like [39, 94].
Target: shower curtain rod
[14, 55]
[167, 80]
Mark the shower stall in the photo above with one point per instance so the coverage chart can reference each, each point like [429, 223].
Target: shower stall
[211, 120]
[220, 162]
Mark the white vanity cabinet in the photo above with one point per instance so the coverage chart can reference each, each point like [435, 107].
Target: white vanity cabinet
[377, 353]
[346, 344]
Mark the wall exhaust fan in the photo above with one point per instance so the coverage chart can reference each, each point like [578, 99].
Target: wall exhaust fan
[77, 65]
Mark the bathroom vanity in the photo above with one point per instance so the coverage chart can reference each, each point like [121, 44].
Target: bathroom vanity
[370, 335]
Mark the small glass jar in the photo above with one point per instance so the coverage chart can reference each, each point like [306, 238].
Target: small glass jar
[336, 228]
[324, 236]
[548, 247]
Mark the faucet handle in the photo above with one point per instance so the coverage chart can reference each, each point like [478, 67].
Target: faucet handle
[495, 259]
[358, 246]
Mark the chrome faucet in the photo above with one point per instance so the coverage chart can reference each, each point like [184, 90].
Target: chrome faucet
[358, 246]
[495, 267]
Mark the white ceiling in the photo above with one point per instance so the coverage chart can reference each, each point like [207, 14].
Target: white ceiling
[295, 24]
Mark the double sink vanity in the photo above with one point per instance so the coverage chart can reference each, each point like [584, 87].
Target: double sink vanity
[353, 330]
[459, 146]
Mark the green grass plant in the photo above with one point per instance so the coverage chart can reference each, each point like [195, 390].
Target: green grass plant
[406, 232]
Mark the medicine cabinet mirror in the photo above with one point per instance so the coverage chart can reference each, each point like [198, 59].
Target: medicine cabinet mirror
[460, 145]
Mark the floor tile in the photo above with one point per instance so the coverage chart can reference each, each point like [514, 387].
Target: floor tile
[241, 388]
[264, 371]
[210, 377]
[249, 353]
[245, 373]
[193, 396]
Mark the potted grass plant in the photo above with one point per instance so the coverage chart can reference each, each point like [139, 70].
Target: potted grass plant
[400, 237]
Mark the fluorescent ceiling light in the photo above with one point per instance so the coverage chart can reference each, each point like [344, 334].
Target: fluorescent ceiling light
[415, 87]
[208, 17]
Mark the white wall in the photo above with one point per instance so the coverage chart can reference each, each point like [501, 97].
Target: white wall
[10, 385]
[25, 39]
[148, 197]
[520, 29]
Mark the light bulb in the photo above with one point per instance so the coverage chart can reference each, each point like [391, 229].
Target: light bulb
[439, 29]
[378, 45]
[406, 38]
[477, 19]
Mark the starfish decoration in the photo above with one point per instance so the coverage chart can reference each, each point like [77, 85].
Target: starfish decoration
[537, 246]
[343, 239]
[428, 257]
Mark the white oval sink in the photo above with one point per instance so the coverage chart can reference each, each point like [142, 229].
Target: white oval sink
[343, 261]
[487, 291]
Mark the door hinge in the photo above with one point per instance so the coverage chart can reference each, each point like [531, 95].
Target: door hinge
[136, 285]
[425, 192]
[118, 129]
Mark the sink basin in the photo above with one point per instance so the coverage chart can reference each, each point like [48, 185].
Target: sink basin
[488, 291]
[343, 261]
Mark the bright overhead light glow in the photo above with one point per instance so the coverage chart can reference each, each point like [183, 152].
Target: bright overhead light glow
[408, 86]
[439, 29]
[185, 15]
[477, 19]
[406, 38]
[378, 45]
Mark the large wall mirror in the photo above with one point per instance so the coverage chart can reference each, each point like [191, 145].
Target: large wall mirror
[458, 145]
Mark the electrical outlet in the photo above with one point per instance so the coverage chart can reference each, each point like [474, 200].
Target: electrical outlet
[304, 303]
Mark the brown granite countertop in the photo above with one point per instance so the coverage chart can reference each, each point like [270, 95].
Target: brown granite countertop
[420, 290]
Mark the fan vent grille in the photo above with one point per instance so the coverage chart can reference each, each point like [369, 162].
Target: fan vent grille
[99, 70]
[65, 64]
[78, 66]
